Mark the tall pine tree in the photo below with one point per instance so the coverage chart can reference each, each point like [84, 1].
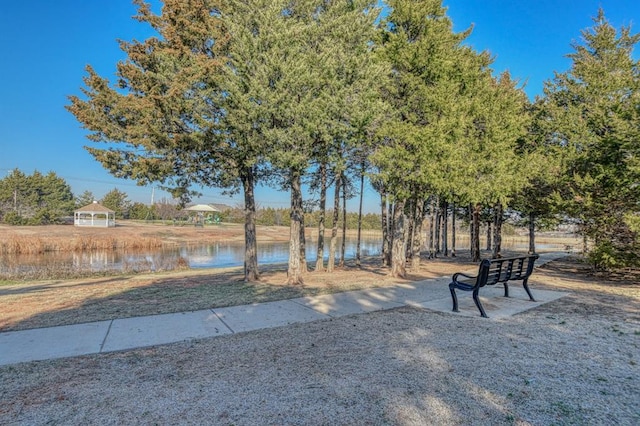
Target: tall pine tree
[593, 118]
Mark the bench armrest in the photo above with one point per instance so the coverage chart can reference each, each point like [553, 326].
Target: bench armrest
[458, 274]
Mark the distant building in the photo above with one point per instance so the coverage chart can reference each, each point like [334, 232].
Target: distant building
[94, 214]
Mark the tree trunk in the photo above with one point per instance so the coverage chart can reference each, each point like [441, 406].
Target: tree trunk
[432, 221]
[295, 271]
[251, 272]
[360, 215]
[445, 225]
[417, 235]
[497, 231]
[303, 243]
[385, 230]
[438, 224]
[532, 233]
[343, 246]
[475, 232]
[390, 226]
[334, 229]
[453, 230]
[398, 259]
[321, 219]
[489, 235]
[409, 228]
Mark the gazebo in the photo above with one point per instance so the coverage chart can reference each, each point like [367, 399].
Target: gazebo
[94, 214]
[200, 210]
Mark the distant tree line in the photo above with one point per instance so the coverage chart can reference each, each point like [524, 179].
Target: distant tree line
[39, 199]
[34, 199]
[233, 94]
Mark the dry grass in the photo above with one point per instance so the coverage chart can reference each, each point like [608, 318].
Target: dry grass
[61, 302]
[16, 244]
[572, 361]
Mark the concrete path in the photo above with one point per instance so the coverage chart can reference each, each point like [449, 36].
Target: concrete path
[128, 333]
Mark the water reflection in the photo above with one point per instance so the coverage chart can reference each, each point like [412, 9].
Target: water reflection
[216, 255]
[222, 255]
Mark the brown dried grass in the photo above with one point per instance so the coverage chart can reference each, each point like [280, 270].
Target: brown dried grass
[31, 244]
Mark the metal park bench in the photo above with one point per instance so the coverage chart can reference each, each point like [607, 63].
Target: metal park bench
[492, 272]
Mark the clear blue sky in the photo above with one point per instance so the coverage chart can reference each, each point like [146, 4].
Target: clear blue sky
[46, 45]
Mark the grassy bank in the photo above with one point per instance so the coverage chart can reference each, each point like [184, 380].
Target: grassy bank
[42, 244]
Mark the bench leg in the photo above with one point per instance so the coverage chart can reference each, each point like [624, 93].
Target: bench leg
[476, 299]
[526, 287]
[453, 296]
[506, 289]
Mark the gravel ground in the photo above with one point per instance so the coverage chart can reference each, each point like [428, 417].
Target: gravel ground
[566, 362]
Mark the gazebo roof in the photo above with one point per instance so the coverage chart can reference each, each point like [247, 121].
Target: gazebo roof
[202, 208]
[95, 207]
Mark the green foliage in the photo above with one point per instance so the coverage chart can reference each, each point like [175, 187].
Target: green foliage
[13, 218]
[231, 93]
[34, 199]
[117, 201]
[424, 54]
[593, 116]
[455, 128]
[141, 211]
[609, 255]
[85, 199]
[159, 121]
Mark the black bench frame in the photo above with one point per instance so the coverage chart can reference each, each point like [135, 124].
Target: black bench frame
[492, 272]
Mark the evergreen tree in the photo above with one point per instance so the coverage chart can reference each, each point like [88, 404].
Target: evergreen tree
[34, 199]
[117, 201]
[536, 202]
[492, 171]
[85, 198]
[291, 64]
[429, 92]
[167, 118]
[594, 122]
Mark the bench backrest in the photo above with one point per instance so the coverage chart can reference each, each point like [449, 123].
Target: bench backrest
[501, 270]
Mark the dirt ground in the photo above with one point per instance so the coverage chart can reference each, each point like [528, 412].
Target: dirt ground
[574, 361]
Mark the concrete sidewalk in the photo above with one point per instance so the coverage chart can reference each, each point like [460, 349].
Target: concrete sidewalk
[129, 333]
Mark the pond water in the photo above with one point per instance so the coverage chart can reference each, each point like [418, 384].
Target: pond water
[222, 255]
[215, 255]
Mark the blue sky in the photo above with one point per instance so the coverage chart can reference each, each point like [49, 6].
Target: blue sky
[47, 44]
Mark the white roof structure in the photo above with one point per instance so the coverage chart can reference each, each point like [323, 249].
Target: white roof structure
[202, 208]
[94, 214]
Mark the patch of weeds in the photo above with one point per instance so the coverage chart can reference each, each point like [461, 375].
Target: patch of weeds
[601, 379]
[615, 329]
[637, 332]
[567, 414]
[510, 418]
[563, 322]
